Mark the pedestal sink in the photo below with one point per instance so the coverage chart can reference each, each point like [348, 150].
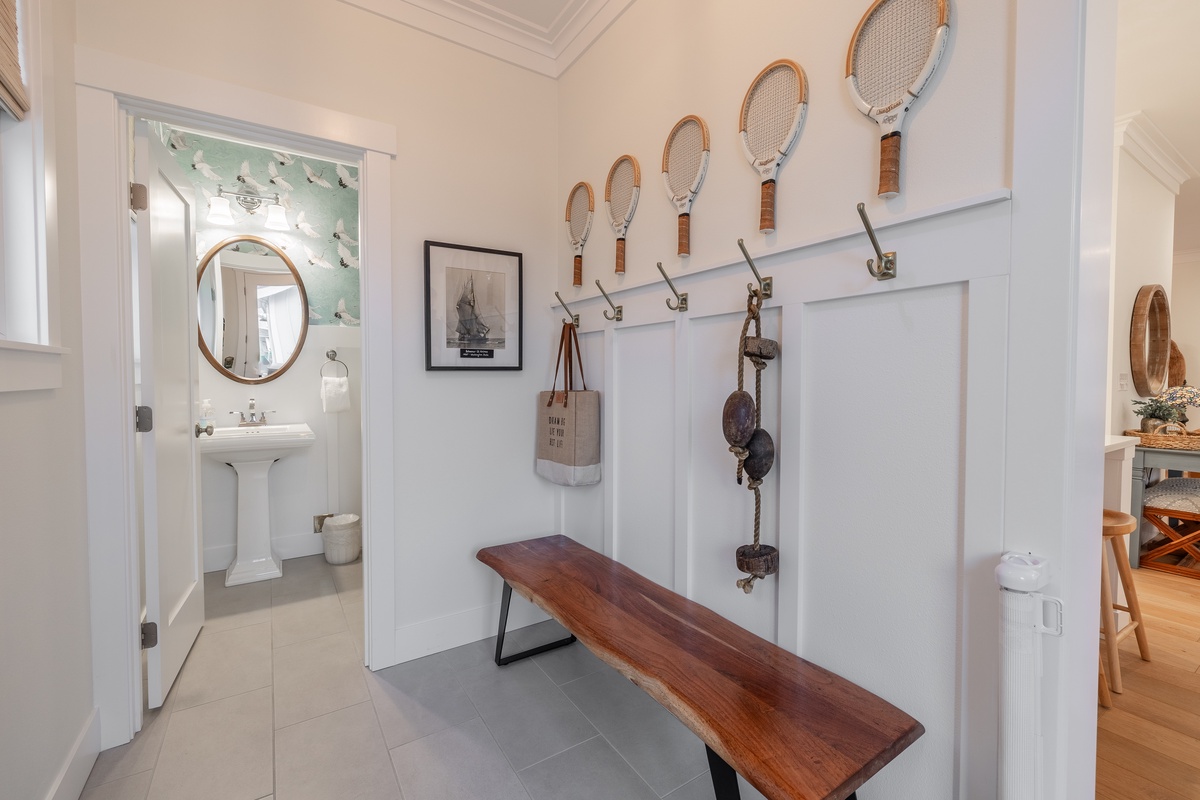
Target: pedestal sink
[251, 450]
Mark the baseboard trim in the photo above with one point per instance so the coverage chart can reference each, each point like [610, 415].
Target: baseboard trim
[285, 547]
[443, 633]
[69, 782]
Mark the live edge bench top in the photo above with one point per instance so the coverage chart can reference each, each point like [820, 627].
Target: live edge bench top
[792, 729]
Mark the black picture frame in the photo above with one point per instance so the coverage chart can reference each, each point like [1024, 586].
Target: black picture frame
[474, 310]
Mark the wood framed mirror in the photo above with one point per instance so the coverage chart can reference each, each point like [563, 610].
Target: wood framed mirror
[1150, 340]
[253, 310]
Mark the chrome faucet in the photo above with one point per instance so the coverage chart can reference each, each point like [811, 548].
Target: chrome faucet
[256, 417]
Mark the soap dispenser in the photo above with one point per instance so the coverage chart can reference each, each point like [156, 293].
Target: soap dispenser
[206, 413]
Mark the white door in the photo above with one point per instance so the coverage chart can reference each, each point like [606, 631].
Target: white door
[165, 263]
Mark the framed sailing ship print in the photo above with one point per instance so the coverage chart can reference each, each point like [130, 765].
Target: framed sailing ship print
[473, 314]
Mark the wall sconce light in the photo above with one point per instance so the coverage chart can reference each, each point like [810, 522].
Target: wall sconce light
[219, 212]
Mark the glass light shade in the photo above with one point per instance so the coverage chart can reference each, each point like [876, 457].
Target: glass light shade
[218, 211]
[276, 218]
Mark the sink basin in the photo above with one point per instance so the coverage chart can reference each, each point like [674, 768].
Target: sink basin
[251, 450]
[256, 443]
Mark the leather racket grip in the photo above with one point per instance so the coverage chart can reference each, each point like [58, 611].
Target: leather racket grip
[889, 165]
[685, 234]
[578, 279]
[766, 210]
[620, 256]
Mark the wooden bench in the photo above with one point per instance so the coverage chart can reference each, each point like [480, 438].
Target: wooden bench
[795, 731]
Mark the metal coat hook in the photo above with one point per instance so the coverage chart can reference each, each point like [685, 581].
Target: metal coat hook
[887, 261]
[618, 311]
[682, 298]
[765, 285]
[574, 318]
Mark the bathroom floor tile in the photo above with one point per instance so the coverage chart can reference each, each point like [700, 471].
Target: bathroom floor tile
[134, 787]
[589, 771]
[220, 749]
[303, 579]
[459, 763]
[234, 606]
[348, 578]
[225, 664]
[341, 754]
[316, 677]
[612, 702]
[418, 698]
[699, 788]
[299, 619]
[355, 617]
[530, 718]
[662, 750]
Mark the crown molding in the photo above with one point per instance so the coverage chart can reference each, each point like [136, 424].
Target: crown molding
[1138, 136]
[547, 48]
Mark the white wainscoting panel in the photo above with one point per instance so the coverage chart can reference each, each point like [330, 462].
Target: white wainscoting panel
[582, 512]
[642, 467]
[722, 512]
[882, 422]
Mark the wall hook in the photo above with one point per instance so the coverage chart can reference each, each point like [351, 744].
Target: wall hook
[574, 318]
[682, 298]
[887, 261]
[618, 311]
[765, 285]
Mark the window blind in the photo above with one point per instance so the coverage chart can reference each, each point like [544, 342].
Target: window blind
[12, 85]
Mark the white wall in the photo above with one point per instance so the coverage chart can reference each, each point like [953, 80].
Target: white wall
[300, 482]
[884, 493]
[45, 632]
[1185, 301]
[1142, 255]
[475, 138]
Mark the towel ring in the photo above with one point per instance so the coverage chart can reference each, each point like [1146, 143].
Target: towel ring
[333, 359]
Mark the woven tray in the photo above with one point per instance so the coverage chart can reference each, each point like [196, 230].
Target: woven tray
[1168, 441]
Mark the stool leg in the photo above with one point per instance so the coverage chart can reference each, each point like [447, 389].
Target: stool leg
[1105, 696]
[1131, 598]
[1109, 625]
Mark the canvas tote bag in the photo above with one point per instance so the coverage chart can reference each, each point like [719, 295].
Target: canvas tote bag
[568, 423]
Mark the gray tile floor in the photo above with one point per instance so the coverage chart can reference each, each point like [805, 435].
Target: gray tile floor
[273, 702]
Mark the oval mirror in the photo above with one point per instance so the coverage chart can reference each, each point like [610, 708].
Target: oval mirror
[253, 309]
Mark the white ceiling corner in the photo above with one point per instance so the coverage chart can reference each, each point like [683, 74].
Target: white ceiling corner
[1137, 134]
[545, 36]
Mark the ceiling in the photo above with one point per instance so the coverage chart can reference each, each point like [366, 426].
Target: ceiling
[545, 36]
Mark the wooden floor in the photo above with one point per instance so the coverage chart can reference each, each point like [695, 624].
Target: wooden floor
[1148, 745]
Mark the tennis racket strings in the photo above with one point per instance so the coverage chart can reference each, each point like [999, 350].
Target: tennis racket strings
[621, 194]
[685, 153]
[892, 49]
[579, 222]
[770, 112]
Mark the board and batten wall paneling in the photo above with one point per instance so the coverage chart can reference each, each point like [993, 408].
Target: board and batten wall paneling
[643, 466]
[882, 422]
[722, 512]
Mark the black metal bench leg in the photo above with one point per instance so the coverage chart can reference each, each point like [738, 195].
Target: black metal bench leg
[501, 659]
[724, 778]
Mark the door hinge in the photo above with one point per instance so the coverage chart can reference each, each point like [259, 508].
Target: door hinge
[149, 635]
[139, 197]
[143, 419]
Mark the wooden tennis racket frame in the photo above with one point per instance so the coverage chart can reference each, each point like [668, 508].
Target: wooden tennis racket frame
[683, 201]
[768, 169]
[621, 226]
[577, 244]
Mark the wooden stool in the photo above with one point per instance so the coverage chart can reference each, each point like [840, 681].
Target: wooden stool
[1116, 525]
[1179, 552]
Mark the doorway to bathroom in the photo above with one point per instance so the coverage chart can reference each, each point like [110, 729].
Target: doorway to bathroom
[108, 100]
[272, 245]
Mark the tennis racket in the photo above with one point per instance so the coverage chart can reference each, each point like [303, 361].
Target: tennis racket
[580, 205]
[893, 52]
[772, 116]
[685, 161]
[621, 192]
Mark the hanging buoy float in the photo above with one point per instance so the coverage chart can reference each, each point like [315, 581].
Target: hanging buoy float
[741, 422]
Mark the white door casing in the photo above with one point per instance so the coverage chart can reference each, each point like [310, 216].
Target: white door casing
[107, 87]
[166, 264]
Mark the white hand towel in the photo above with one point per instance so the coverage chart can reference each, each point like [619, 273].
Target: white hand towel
[335, 394]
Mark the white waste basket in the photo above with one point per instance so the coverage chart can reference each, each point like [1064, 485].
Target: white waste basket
[342, 535]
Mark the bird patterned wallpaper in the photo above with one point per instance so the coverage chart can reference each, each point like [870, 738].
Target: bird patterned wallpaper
[320, 199]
